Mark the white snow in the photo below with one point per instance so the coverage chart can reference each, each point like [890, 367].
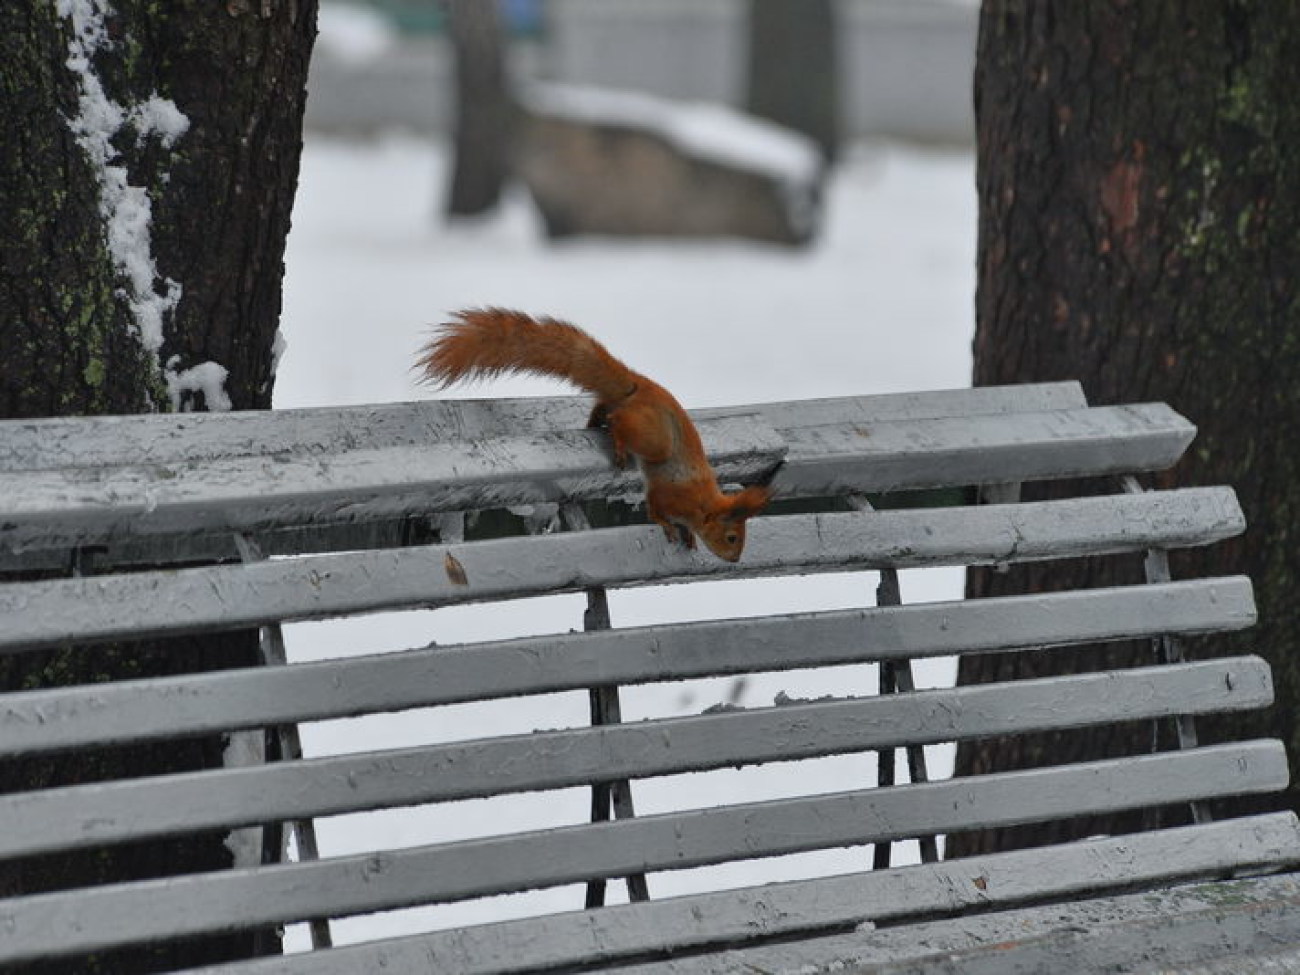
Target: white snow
[88, 29]
[126, 209]
[882, 302]
[278, 346]
[208, 378]
[160, 117]
[704, 129]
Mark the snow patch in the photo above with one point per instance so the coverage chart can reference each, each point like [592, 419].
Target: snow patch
[160, 117]
[702, 129]
[126, 209]
[278, 346]
[208, 378]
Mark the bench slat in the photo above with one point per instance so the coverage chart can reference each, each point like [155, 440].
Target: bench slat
[58, 442]
[582, 937]
[1240, 924]
[148, 604]
[34, 721]
[1168, 930]
[64, 508]
[88, 920]
[959, 451]
[922, 405]
[92, 815]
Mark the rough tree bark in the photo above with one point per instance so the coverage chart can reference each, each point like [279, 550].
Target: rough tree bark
[484, 111]
[1138, 204]
[793, 70]
[148, 161]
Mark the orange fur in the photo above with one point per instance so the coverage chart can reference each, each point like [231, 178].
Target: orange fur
[644, 420]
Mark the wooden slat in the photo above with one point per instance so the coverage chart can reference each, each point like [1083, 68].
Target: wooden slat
[785, 909]
[92, 815]
[1157, 932]
[1275, 956]
[64, 508]
[98, 714]
[149, 604]
[88, 920]
[65, 442]
[180, 442]
[957, 451]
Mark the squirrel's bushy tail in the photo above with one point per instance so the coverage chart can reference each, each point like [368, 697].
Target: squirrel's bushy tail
[484, 342]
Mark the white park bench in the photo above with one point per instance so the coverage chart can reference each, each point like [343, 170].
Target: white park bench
[265, 518]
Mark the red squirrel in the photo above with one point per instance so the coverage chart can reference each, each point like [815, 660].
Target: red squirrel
[644, 420]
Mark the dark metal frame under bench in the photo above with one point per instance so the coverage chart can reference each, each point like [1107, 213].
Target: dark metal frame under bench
[124, 527]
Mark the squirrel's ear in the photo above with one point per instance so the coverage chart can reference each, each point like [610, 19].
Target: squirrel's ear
[748, 502]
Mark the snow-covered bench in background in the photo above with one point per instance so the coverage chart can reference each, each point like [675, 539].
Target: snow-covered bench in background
[320, 513]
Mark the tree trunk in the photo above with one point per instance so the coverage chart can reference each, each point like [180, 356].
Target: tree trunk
[483, 108]
[1138, 204]
[148, 162]
[793, 78]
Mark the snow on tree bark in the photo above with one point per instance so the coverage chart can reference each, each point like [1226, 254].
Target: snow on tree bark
[148, 163]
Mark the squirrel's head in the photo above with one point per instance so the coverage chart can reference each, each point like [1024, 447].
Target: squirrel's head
[723, 531]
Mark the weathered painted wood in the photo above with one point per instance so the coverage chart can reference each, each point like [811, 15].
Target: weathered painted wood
[925, 404]
[957, 451]
[59, 442]
[1154, 931]
[62, 508]
[91, 919]
[1161, 930]
[33, 721]
[732, 918]
[230, 597]
[1275, 957]
[92, 815]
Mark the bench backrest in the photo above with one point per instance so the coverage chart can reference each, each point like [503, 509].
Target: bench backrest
[322, 513]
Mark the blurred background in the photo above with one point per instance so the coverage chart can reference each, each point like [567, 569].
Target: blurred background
[903, 66]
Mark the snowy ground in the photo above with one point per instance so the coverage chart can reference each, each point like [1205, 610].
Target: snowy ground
[881, 303]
